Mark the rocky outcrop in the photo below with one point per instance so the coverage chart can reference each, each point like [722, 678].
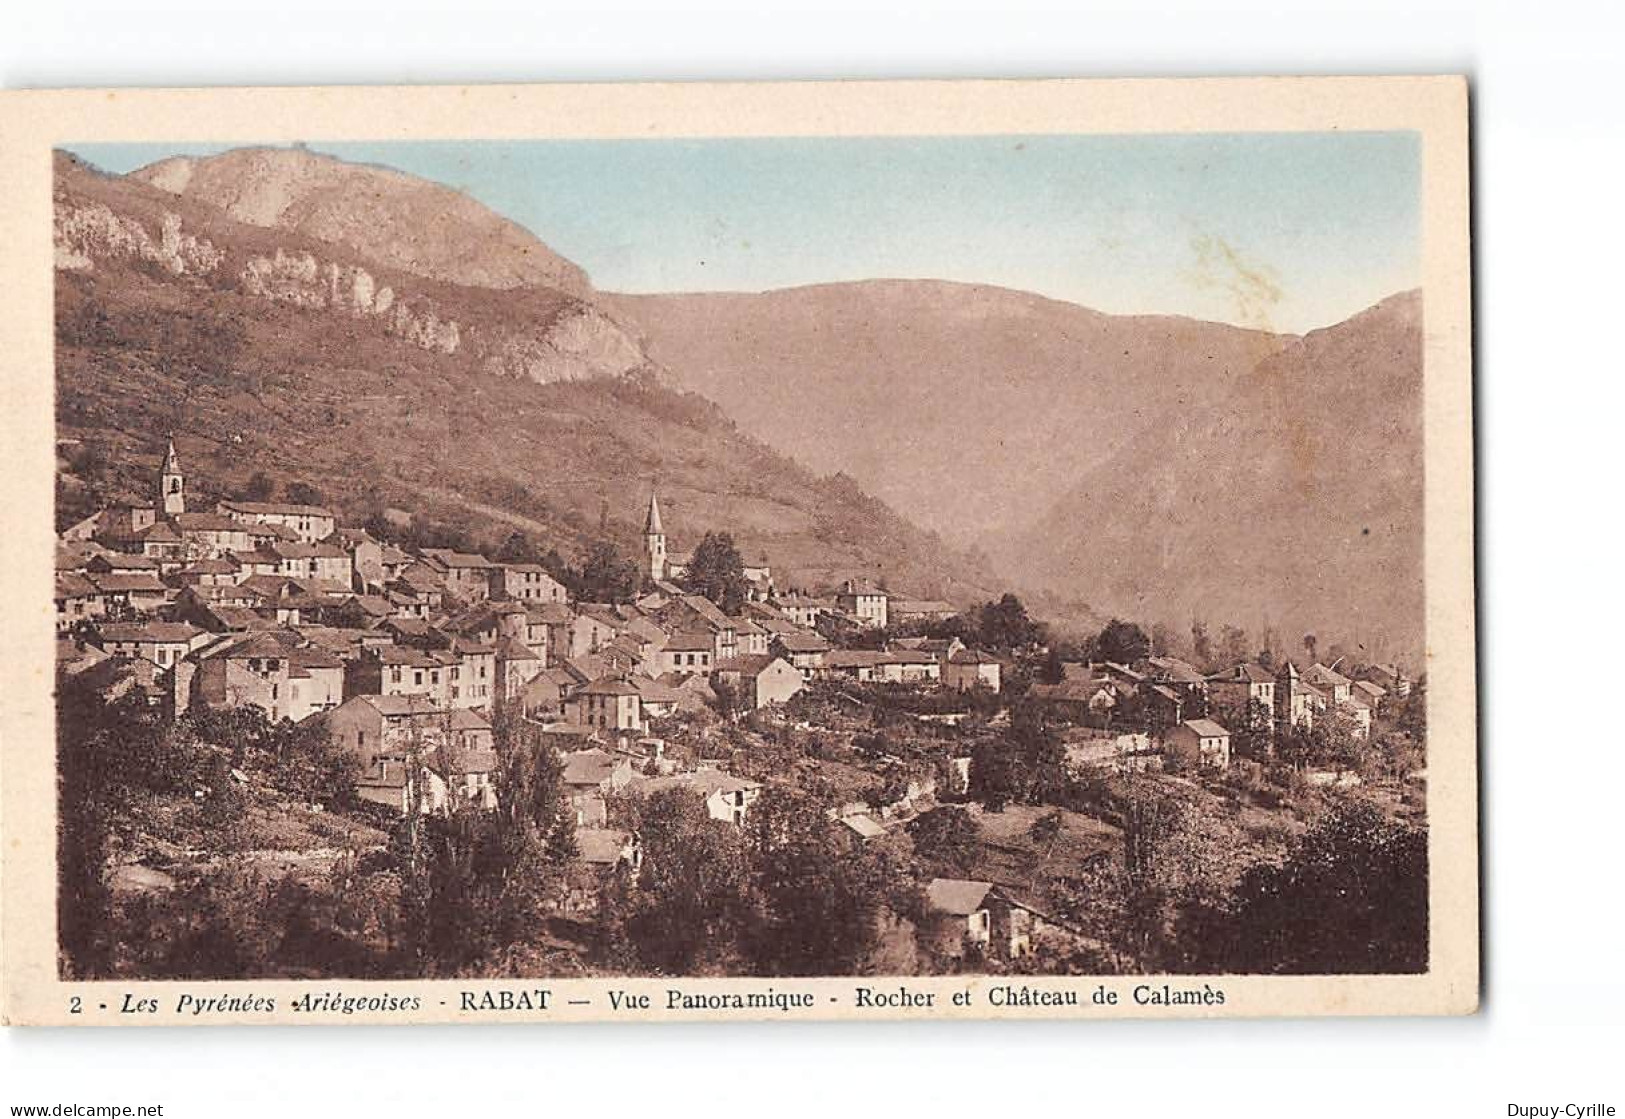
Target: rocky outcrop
[574, 343]
[580, 343]
[303, 280]
[84, 233]
[390, 218]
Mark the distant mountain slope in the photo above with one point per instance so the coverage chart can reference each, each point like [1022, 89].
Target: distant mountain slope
[1298, 505]
[173, 317]
[1157, 467]
[390, 217]
[964, 405]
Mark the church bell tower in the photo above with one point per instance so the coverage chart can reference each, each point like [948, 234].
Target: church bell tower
[171, 485]
[654, 541]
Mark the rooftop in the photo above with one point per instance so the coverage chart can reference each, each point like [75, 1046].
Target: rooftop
[959, 897]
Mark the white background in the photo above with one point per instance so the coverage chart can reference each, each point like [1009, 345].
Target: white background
[1548, 198]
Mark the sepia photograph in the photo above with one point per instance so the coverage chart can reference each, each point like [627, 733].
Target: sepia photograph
[770, 557]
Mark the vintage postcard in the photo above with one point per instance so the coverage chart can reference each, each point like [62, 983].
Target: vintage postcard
[773, 551]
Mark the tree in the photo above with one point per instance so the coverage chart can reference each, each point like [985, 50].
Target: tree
[1046, 832]
[303, 493]
[1335, 741]
[478, 890]
[1179, 864]
[693, 906]
[1411, 713]
[1164, 641]
[1201, 645]
[260, 487]
[477, 886]
[606, 576]
[1399, 755]
[1122, 642]
[726, 701]
[88, 793]
[1253, 735]
[717, 571]
[1233, 646]
[517, 548]
[821, 892]
[1351, 898]
[1026, 766]
[530, 787]
[995, 777]
[1053, 670]
[1005, 625]
[947, 838]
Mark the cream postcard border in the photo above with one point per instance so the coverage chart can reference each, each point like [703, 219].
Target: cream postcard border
[33, 122]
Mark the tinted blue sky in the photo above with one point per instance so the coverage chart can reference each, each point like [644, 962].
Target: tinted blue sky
[1290, 230]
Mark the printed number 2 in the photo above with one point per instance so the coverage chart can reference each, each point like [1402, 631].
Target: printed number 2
[75, 1005]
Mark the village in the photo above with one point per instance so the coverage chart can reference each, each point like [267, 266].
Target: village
[426, 665]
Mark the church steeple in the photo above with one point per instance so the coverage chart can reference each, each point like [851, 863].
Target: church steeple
[654, 540]
[171, 483]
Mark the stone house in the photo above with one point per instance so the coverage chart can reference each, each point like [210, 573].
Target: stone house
[968, 670]
[1232, 691]
[374, 726]
[131, 592]
[524, 582]
[211, 535]
[760, 681]
[465, 575]
[162, 643]
[610, 703]
[517, 664]
[77, 600]
[803, 649]
[685, 652]
[396, 670]
[727, 798]
[1200, 742]
[242, 670]
[1333, 683]
[981, 917]
[803, 610]
[310, 522]
[865, 602]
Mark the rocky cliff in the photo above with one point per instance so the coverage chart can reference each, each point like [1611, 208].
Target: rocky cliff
[538, 333]
[396, 219]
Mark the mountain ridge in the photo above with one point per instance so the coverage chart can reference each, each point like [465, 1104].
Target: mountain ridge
[390, 216]
[1035, 400]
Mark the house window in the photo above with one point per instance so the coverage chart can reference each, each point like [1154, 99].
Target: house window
[417, 678]
[395, 674]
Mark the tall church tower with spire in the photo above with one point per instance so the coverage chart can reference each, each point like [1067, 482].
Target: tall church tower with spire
[654, 540]
[171, 484]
